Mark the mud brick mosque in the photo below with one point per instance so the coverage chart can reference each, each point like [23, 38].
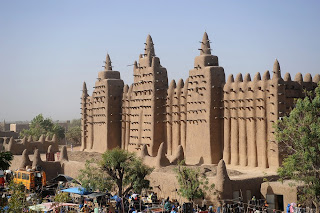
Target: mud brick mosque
[202, 119]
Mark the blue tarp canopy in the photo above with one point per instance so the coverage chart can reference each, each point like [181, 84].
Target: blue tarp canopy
[77, 190]
[115, 197]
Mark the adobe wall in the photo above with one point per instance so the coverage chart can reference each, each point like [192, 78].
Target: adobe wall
[204, 116]
[17, 146]
[288, 189]
[52, 168]
[251, 109]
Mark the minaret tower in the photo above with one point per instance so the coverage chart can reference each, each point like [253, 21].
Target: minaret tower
[204, 143]
[84, 115]
[147, 104]
[106, 109]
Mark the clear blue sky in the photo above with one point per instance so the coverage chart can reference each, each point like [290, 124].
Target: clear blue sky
[48, 48]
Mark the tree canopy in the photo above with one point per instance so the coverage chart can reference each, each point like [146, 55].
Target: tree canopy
[43, 126]
[73, 134]
[192, 183]
[298, 136]
[92, 177]
[17, 201]
[118, 169]
[5, 160]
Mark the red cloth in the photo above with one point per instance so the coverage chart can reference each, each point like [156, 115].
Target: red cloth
[2, 181]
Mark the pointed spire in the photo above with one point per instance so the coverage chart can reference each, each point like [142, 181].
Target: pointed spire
[239, 78]
[50, 149]
[84, 91]
[10, 144]
[230, 79]
[64, 154]
[108, 66]
[172, 84]
[266, 76]
[287, 77]
[42, 138]
[257, 77]
[298, 77]
[36, 159]
[205, 45]
[247, 77]
[276, 69]
[54, 138]
[84, 87]
[307, 78]
[180, 83]
[316, 78]
[149, 48]
[25, 161]
[24, 140]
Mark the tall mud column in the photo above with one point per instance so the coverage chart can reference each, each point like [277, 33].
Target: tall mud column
[183, 109]
[169, 114]
[242, 120]
[276, 99]
[234, 123]
[252, 118]
[90, 123]
[128, 118]
[176, 117]
[84, 117]
[227, 120]
[261, 122]
[205, 109]
[124, 116]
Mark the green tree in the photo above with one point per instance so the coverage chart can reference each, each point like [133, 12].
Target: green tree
[92, 178]
[43, 126]
[17, 201]
[62, 197]
[298, 136]
[74, 132]
[192, 183]
[5, 160]
[124, 171]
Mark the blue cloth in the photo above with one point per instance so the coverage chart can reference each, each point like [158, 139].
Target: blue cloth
[218, 209]
[114, 197]
[77, 190]
[288, 208]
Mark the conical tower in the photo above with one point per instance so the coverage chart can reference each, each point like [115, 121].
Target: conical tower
[149, 48]
[205, 45]
[147, 104]
[103, 129]
[204, 123]
[108, 66]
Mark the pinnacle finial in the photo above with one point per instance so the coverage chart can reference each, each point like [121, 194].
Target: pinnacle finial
[205, 45]
[276, 68]
[107, 66]
[149, 49]
[84, 87]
